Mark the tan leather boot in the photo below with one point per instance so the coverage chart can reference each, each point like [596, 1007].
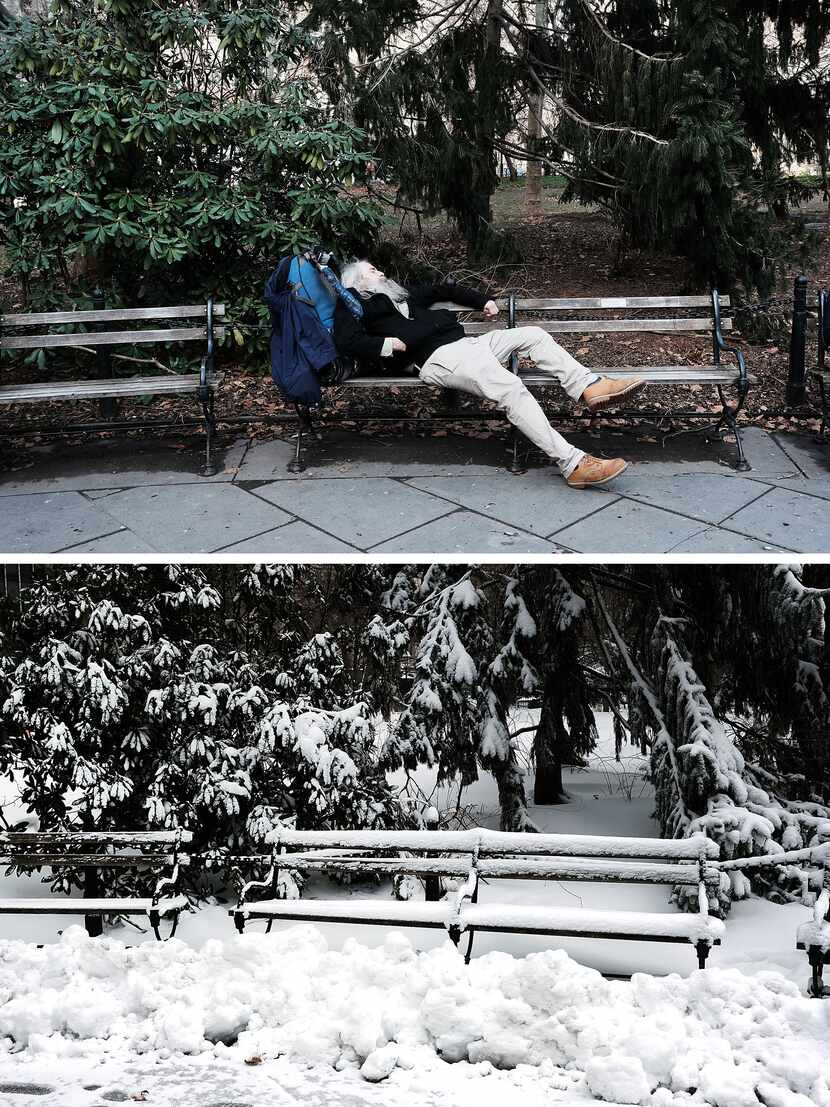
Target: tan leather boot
[593, 470]
[605, 392]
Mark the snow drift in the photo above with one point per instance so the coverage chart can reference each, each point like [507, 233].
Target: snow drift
[719, 1036]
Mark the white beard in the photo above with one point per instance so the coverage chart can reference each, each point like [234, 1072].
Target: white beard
[396, 293]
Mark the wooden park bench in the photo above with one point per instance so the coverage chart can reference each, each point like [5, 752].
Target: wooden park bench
[100, 384]
[609, 314]
[156, 852]
[476, 857]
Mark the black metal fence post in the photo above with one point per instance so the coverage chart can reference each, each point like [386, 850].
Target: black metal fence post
[797, 381]
[432, 883]
[103, 360]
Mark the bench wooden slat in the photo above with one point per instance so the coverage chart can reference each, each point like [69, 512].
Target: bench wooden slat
[584, 921]
[87, 860]
[497, 843]
[596, 303]
[674, 374]
[376, 911]
[55, 905]
[616, 872]
[597, 326]
[671, 374]
[36, 318]
[109, 338]
[531, 868]
[590, 303]
[89, 837]
[92, 389]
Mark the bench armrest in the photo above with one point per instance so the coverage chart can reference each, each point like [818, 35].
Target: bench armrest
[721, 346]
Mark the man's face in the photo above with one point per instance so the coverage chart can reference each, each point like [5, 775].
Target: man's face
[372, 275]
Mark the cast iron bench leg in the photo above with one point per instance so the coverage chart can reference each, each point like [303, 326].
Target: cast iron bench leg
[729, 419]
[94, 925]
[822, 391]
[207, 399]
[297, 464]
[702, 949]
[816, 985]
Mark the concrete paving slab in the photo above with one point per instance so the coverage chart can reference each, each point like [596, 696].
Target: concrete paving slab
[709, 497]
[811, 457]
[122, 542]
[800, 522]
[198, 519]
[46, 523]
[292, 538]
[538, 501]
[715, 542]
[815, 486]
[629, 527]
[765, 454]
[362, 512]
[121, 464]
[465, 532]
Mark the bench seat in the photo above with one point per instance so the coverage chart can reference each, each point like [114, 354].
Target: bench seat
[576, 922]
[383, 912]
[123, 387]
[54, 905]
[658, 374]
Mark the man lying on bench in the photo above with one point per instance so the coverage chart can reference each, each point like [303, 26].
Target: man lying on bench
[396, 323]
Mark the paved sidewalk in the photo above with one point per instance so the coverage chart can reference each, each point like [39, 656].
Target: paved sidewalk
[408, 495]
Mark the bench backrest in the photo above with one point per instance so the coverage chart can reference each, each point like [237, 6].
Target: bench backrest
[549, 314]
[92, 849]
[206, 331]
[494, 843]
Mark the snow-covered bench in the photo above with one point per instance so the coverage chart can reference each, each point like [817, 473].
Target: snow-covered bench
[479, 856]
[59, 851]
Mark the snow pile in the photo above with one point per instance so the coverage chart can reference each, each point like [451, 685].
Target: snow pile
[713, 1038]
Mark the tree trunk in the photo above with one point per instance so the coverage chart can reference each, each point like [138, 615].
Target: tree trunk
[547, 751]
[548, 788]
[533, 186]
[512, 798]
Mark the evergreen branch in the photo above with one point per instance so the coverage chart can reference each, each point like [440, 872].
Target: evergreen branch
[657, 58]
[566, 109]
[663, 733]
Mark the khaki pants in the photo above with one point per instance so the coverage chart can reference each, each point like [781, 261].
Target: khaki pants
[477, 365]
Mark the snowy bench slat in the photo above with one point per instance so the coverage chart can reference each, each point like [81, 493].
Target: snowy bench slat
[590, 922]
[622, 872]
[528, 868]
[94, 837]
[156, 851]
[55, 905]
[491, 843]
[382, 912]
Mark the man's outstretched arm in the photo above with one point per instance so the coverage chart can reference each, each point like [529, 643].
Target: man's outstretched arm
[428, 294]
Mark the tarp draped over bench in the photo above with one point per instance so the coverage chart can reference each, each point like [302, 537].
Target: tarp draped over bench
[483, 855]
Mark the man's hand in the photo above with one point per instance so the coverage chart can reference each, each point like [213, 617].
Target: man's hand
[398, 346]
[490, 309]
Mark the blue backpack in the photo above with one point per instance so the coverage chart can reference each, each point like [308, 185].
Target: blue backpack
[301, 347]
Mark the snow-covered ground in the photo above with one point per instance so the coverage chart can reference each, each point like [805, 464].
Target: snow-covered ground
[316, 1013]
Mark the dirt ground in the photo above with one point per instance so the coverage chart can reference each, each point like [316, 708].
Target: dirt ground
[565, 251]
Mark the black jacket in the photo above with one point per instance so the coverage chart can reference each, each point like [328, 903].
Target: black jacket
[423, 332]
